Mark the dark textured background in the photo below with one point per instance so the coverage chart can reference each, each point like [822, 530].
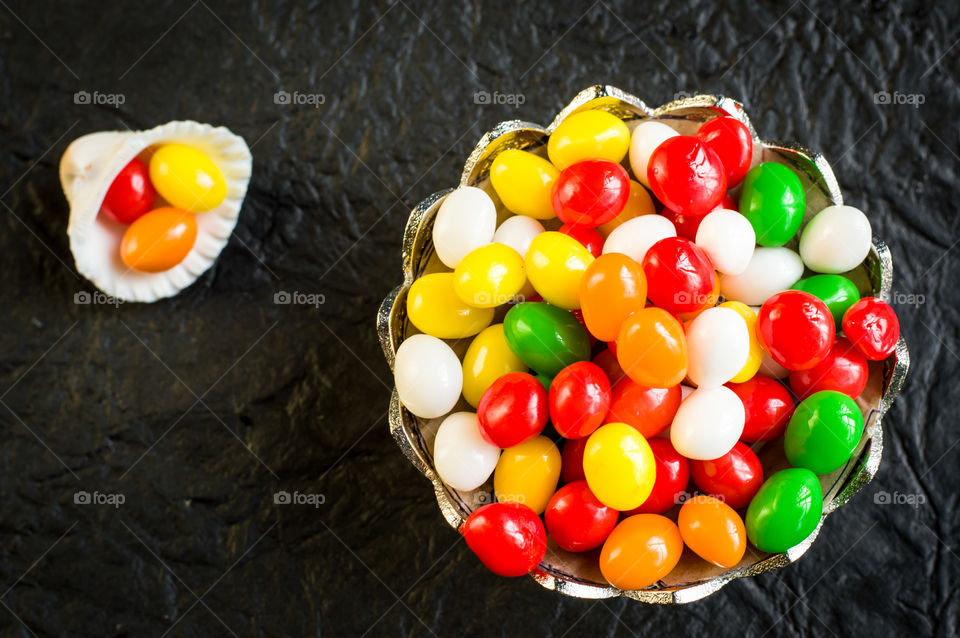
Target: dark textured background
[197, 409]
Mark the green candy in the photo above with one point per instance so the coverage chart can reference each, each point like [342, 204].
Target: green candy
[545, 337]
[823, 432]
[836, 291]
[772, 200]
[545, 381]
[785, 510]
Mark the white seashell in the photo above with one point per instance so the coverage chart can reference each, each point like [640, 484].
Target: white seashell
[88, 168]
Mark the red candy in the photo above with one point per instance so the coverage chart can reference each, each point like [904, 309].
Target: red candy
[579, 398]
[796, 329]
[687, 225]
[844, 369]
[571, 460]
[673, 474]
[680, 276]
[576, 520]
[768, 407]
[872, 327]
[513, 409]
[591, 193]
[131, 194]
[730, 139]
[687, 176]
[648, 410]
[734, 477]
[507, 537]
[607, 360]
[591, 238]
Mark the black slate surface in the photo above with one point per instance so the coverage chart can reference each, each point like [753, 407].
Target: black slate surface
[198, 409]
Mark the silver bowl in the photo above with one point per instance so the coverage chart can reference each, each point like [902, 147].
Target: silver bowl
[579, 574]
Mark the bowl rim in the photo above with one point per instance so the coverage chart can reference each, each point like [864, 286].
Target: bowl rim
[819, 170]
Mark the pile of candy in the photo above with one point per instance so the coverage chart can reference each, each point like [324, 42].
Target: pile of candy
[654, 338]
[162, 230]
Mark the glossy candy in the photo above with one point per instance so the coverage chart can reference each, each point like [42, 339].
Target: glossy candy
[687, 176]
[646, 137]
[466, 220]
[672, 476]
[555, 263]
[489, 276]
[767, 406]
[838, 292]
[635, 237]
[823, 432]
[734, 477]
[648, 409]
[652, 349]
[186, 178]
[586, 135]
[688, 225]
[785, 511]
[428, 376]
[836, 240]
[517, 232]
[591, 238]
[131, 194]
[771, 270]
[728, 239]
[619, 466]
[524, 183]
[576, 519]
[872, 327]
[513, 409]
[718, 346]
[708, 423]
[528, 473]
[464, 460]
[730, 139]
[755, 353]
[158, 240]
[640, 550]
[579, 399]
[772, 199]
[571, 460]
[612, 288]
[712, 530]
[844, 369]
[508, 538]
[680, 277]
[486, 360]
[607, 361]
[545, 337]
[796, 329]
[591, 192]
[435, 308]
[638, 203]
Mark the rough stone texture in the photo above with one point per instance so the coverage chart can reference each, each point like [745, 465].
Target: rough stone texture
[198, 409]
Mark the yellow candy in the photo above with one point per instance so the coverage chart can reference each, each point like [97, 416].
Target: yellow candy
[487, 359]
[755, 358]
[639, 203]
[489, 276]
[435, 309]
[186, 178]
[524, 183]
[619, 466]
[528, 473]
[589, 135]
[555, 264]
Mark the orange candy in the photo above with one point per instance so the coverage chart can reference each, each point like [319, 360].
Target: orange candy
[612, 288]
[640, 550]
[652, 349]
[158, 240]
[713, 530]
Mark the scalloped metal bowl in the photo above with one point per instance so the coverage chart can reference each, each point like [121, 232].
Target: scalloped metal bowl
[578, 574]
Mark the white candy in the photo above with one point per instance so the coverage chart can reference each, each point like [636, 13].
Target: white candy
[771, 368]
[464, 460]
[466, 220]
[708, 423]
[634, 237]
[718, 345]
[836, 240]
[428, 376]
[517, 232]
[728, 239]
[771, 270]
[644, 140]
